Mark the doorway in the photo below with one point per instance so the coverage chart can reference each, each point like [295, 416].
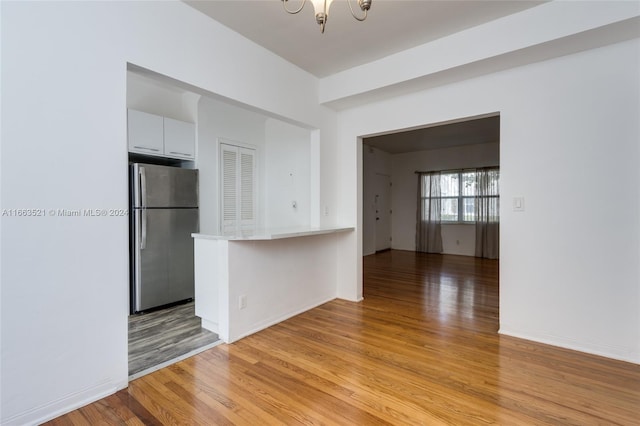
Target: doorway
[462, 144]
[382, 203]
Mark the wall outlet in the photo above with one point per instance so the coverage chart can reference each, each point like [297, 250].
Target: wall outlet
[242, 302]
[518, 204]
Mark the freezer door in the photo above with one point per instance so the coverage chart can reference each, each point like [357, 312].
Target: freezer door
[164, 256]
[163, 186]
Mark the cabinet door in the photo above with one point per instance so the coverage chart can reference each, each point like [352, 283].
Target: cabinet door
[145, 133]
[179, 139]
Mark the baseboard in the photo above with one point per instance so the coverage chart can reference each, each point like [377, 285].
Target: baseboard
[356, 300]
[611, 352]
[213, 327]
[65, 405]
[273, 321]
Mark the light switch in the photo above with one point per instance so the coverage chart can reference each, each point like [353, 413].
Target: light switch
[518, 204]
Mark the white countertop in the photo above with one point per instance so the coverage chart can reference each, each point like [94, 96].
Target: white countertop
[274, 234]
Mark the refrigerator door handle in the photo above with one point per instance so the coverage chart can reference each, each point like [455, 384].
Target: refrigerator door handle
[143, 229]
[143, 210]
[143, 188]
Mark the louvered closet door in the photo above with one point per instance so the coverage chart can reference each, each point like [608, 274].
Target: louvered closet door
[247, 193]
[229, 192]
[238, 189]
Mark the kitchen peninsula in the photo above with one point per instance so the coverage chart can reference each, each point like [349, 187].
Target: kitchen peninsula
[247, 282]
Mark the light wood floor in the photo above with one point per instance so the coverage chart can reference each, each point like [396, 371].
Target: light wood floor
[422, 348]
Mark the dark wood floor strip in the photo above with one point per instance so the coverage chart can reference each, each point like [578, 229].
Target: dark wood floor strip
[161, 336]
[422, 348]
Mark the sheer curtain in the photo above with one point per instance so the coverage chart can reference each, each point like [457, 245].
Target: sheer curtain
[488, 213]
[428, 232]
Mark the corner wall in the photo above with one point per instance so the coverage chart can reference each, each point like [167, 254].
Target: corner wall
[65, 279]
[569, 129]
[219, 122]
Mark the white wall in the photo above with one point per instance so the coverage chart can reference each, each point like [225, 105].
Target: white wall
[64, 76]
[287, 175]
[405, 188]
[569, 270]
[220, 122]
[272, 280]
[459, 239]
[65, 281]
[552, 29]
[148, 95]
[374, 161]
[285, 287]
[283, 164]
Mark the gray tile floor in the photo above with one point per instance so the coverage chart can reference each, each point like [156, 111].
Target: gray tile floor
[157, 338]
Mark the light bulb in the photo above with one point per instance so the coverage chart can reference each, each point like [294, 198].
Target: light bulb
[321, 8]
[318, 5]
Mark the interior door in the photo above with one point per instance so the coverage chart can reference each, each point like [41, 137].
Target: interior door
[383, 212]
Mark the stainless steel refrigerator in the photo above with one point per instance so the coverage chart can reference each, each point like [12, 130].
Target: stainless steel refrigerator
[164, 213]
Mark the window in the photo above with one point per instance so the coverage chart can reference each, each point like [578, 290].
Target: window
[458, 193]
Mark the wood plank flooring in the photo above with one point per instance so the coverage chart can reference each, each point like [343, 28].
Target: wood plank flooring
[421, 349]
[158, 337]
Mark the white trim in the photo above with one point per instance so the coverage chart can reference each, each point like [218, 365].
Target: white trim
[233, 142]
[174, 360]
[57, 408]
[606, 351]
[276, 320]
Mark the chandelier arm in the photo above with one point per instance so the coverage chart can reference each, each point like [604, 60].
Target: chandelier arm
[293, 12]
[326, 16]
[354, 15]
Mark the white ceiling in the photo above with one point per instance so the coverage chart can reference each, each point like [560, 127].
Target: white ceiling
[466, 132]
[391, 26]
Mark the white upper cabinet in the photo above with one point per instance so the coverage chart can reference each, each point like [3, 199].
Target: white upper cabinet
[161, 136]
[146, 134]
[179, 139]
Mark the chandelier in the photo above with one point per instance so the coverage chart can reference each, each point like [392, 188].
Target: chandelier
[321, 8]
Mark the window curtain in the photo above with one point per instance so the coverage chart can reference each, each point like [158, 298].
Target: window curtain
[429, 229]
[487, 213]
